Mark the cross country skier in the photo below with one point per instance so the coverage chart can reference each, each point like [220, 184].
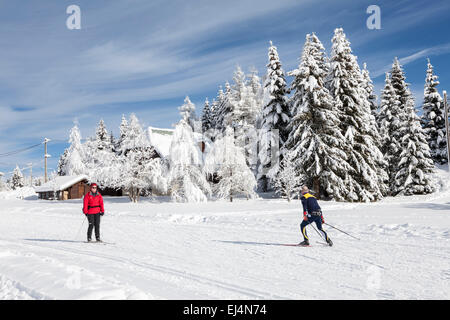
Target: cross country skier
[311, 213]
[93, 209]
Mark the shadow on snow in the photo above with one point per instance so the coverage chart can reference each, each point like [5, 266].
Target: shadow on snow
[258, 243]
[53, 240]
[432, 206]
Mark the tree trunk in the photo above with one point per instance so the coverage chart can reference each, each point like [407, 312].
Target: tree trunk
[316, 187]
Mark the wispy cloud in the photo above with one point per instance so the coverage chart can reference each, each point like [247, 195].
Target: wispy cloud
[145, 56]
[424, 53]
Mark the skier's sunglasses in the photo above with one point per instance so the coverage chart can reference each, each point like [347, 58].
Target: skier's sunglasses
[93, 187]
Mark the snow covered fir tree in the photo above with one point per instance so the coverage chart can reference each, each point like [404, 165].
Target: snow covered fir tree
[227, 160]
[17, 179]
[275, 118]
[324, 129]
[187, 180]
[365, 182]
[408, 153]
[433, 118]
[314, 137]
[389, 125]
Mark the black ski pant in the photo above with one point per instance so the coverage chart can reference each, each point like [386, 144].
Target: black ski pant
[317, 220]
[94, 221]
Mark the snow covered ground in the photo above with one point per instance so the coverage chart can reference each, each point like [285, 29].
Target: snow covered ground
[165, 250]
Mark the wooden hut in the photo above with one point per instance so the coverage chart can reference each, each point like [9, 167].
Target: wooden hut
[64, 188]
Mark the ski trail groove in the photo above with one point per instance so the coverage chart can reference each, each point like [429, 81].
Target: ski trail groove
[166, 270]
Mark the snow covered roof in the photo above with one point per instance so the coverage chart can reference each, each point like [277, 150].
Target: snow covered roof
[60, 183]
[160, 139]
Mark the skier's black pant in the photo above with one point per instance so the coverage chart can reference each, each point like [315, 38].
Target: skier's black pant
[94, 221]
[317, 220]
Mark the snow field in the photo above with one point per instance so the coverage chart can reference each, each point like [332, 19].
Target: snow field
[166, 250]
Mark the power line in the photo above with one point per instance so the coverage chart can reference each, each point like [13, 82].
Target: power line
[10, 153]
[14, 152]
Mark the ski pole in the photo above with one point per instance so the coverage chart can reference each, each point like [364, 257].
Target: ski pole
[341, 231]
[79, 230]
[320, 235]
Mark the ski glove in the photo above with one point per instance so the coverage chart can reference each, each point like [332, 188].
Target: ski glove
[102, 213]
[323, 220]
[305, 217]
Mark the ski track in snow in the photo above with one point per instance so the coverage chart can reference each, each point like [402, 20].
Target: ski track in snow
[221, 250]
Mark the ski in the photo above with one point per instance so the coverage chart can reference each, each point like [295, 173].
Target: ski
[100, 242]
[294, 245]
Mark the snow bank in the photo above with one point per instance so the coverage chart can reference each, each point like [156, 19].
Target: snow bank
[20, 193]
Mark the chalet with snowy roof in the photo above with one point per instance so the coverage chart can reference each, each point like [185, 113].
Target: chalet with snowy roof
[161, 139]
[64, 188]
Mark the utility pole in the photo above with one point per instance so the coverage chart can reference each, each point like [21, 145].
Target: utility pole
[447, 131]
[45, 157]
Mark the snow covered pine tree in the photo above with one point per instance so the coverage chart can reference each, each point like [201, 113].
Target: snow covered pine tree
[17, 180]
[135, 166]
[389, 123]
[356, 123]
[226, 160]
[76, 154]
[433, 118]
[315, 137]
[275, 119]
[288, 182]
[187, 180]
[416, 165]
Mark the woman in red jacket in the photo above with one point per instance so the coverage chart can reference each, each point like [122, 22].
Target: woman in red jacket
[93, 209]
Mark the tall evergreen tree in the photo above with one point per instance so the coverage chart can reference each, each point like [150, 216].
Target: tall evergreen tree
[356, 122]
[187, 112]
[315, 137]
[187, 180]
[255, 83]
[102, 138]
[416, 164]
[135, 162]
[433, 118]
[400, 86]
[275, 116]
[123, 131]
[367, 85]
[413, 176]
[389, 124]
[224, 108]
[61, 171]
[213, 113]
[76, 155]
[369, 97]
[207, 117]
[227, 161]
[112, 142]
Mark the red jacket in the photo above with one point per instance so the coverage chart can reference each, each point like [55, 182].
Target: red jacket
[93, 204]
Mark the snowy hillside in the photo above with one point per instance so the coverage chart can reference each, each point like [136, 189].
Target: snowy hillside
[164, 250]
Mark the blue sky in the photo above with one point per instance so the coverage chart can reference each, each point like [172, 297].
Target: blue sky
[145, 56]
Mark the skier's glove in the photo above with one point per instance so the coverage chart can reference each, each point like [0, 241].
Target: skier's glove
[305, 217]
[102, 213]
[323, 220]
